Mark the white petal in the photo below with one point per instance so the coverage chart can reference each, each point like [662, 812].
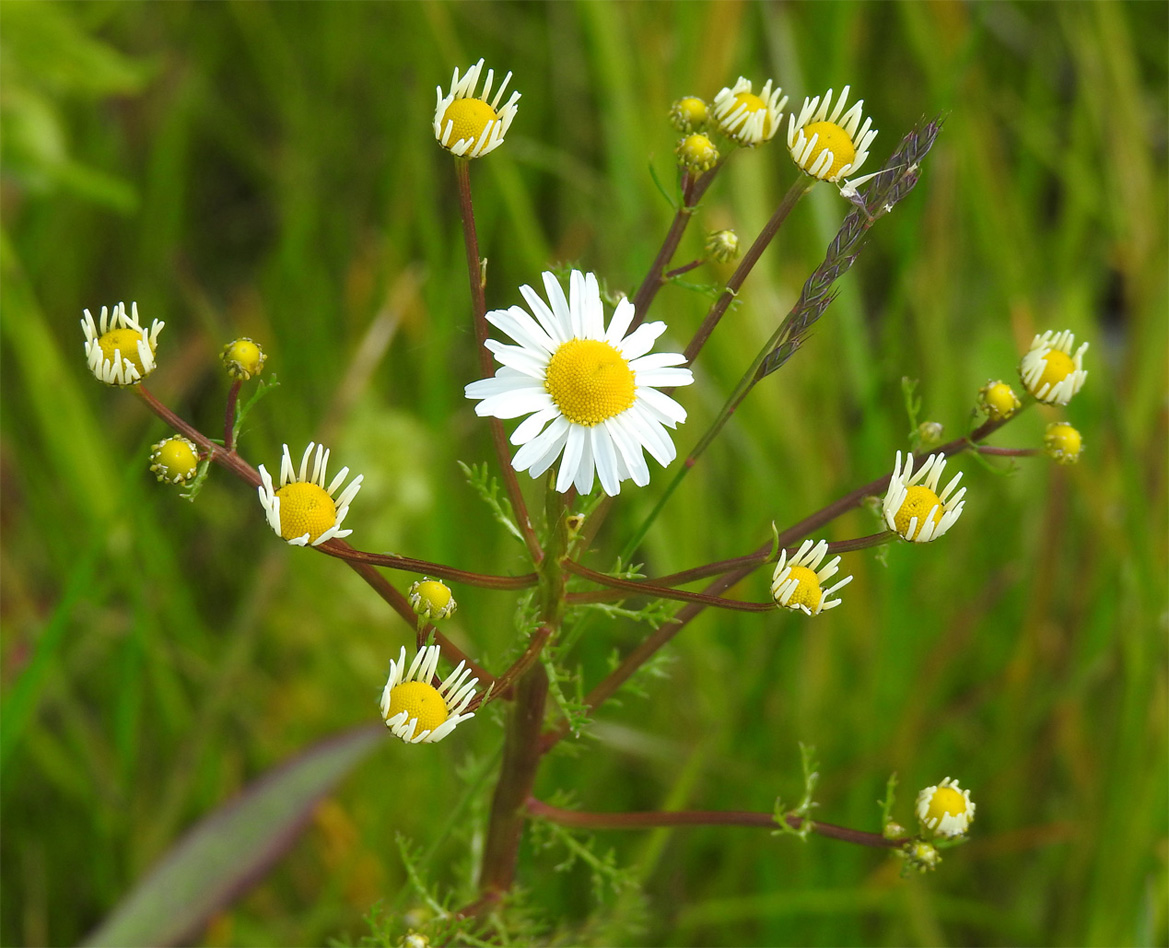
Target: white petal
[559, 303]
[605, 459]
[657, 360]
[532, 364]
[641, 340]
[569, 464]
[534, 423]
[511, 382]
[511, 404]
[622, 317]
[541, 452]
[557, 331]
[519, 324]
[630, 451]
[662, 406]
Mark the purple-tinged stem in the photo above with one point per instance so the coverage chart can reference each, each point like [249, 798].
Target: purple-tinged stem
[746, 818]
[477, 278]
[229, 415]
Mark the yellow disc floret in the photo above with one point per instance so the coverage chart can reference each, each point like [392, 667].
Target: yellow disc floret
[1062, 443]
[750, 104]
[998, 400]
[833, 138]
[124, 341]
[243, 358]
[808, 592]
[420, 700]
[1059, 366]
[688, 114]
[589, 381]
[470, 117]
[305, 507]
[697, 152]
[919, 501]
[946, 801]
[432, 599]
[174, 460]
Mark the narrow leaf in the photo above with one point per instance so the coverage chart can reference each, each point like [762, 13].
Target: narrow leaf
[219, 858]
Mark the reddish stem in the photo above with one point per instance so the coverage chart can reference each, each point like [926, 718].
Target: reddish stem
[476, 275]
[692, 191]
[745, 818]
[339, 548]
[229, 415]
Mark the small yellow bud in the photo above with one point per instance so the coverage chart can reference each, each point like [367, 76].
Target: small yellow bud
[432, 599]
[1062, 443]
[697, 153]
[243, 358]
[722, 245]
[175, 460]
[998, 401]
[689, 114]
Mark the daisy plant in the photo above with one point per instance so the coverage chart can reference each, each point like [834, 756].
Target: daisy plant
[586, 401]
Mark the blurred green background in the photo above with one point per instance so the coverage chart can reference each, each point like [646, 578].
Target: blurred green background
[270, 170]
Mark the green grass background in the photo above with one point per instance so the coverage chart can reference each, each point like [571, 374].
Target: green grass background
[269, 170]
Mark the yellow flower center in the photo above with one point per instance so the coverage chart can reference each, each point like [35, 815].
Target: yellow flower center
[1000, 401]
[752, 104]
[918, 503]
[421, 700]
[1063, 442]
[305, 508]
[1058, 366]
[946, 801]
[177, 458]
[691, 112]
[124, 341]
[832, 138]
[808, 592]
[470, 117]
[434, 594]
[244, 357]
[698, 152]
[589, 381]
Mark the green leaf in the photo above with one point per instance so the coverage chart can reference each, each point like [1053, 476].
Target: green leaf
[219, 858]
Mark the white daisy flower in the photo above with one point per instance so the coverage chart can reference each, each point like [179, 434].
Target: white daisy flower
[468, 125]
[914, 509]
[796, 583]
[303, 510]
[591, 393]
[119, 351]
[1049, 370]
[416, 711]
[945, 809]
[748, 118]
[829, 147]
